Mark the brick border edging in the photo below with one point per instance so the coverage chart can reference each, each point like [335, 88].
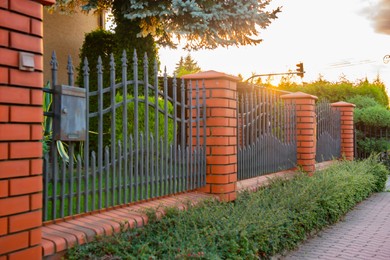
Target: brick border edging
[61, 236]
[57, 238]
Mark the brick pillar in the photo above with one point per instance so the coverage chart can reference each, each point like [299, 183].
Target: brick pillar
[221, 141]
[306, 129]
[20, 129]
[347, 142]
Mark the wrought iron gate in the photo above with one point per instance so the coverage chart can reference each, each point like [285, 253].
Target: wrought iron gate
[328, 132]
[266, 133]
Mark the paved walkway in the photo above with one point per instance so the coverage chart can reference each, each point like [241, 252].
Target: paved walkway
[363, 234]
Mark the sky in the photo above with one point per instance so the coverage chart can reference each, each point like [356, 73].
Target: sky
[333, 38]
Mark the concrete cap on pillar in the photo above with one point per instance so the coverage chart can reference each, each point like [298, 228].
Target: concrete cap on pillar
[342, 104]
[211, 74]
[298, 95]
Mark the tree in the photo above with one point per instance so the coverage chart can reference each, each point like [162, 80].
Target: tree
[186, 66]
[201, 23]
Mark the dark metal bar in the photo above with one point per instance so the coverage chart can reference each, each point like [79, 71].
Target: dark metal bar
[100, 118]
[175, 117]
[70, 71]
[121, 188]
[45, 187]
[86, 143]
[141, 183]
[107, 176]
[136, 127]
[131, 162]
[63, 188]
[190, 123]
[113, 125]
[93, 172]
[124, 126]
[79, 181]
[146, 94]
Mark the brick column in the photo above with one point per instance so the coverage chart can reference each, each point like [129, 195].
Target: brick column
[221, 141]
[306, 129]
[20, 128]
[346, 117]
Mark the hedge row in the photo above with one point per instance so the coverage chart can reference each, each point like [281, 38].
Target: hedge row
[256, 225]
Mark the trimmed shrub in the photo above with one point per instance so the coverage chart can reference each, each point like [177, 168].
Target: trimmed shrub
[257, 225]
[362, 101]
[141, 117]
[377, 116]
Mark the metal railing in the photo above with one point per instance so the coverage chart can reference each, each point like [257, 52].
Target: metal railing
[152, 149]
[266, 133]
[371, 139]
[328, 132]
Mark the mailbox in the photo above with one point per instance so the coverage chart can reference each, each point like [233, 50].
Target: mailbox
[69, 113]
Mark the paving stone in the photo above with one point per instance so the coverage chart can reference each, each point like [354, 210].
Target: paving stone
[363, 234]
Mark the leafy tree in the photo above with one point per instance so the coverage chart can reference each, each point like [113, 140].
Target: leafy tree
[201, 23]
[186, 66]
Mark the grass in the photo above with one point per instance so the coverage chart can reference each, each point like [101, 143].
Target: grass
[112, 191]
[257, 225]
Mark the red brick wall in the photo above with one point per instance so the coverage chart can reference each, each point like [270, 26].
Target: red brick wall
[306, 129]
[221, 142]
[347, 128]
[20, 130]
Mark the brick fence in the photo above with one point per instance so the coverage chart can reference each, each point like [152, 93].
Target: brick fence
[21, 113]
[20, 128]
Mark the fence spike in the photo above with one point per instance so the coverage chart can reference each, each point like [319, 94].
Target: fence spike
[86, 67]
[112, 62]
[53, 61]
[99, 65]
[69, 67]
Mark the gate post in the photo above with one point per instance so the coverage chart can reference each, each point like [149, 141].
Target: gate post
[346, 126]
[221, 131]
[306, 129]
[21, 114]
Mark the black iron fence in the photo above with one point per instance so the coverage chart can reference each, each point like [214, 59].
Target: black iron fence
[328, 132]
[266, 132]
[148, 149]
[372, 140]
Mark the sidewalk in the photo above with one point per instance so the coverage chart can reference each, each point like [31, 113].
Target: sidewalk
[363, 234]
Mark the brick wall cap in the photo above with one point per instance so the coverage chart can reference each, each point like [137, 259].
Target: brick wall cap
[46, 2]
[211, 74]
[342, 104]
[298, 95]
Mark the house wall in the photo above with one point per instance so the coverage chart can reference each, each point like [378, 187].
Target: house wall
[64, 34]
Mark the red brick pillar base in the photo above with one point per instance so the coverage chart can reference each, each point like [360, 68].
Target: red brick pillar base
[347, 142]
[306, 129]
[20, 129]
[221, 141]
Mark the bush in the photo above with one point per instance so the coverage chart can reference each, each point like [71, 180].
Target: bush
[257, 225]
[141, 117]
[377, 116]
[362, 101]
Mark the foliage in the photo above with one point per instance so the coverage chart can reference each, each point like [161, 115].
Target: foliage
[186, 66]
[199, 23]
[257, 225]
[362, 101]
[377, 116]
[373, 145]
[141, 117]
[341, 91]
[102, 43]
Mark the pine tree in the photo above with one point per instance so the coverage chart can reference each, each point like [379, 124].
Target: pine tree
[201, 23]
[186, 66]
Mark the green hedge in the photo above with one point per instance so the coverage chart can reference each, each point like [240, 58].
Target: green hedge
[257, 225]
[141, 117]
